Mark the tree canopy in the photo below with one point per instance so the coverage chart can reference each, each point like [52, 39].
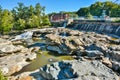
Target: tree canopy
[112, 9]
[23, 17]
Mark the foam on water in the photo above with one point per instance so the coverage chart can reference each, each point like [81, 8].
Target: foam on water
[26, 35]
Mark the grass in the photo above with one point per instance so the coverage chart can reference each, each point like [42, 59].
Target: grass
[2, 77]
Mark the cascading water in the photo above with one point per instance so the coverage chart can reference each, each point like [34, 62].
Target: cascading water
[117, 29]
[64, 26]
[26, 35]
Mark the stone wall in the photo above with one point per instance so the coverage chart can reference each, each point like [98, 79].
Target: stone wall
[100, 27]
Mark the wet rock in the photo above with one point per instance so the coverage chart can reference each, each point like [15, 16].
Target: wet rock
[94, 53]
[116, 65]
[56, 49]
[115, 55]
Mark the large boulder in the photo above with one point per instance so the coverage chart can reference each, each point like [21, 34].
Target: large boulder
[77, 70]
[7, 47]
[65, 45]
[15, 62]
[58, 70]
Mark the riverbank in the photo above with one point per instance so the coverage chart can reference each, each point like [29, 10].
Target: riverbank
[56, 53]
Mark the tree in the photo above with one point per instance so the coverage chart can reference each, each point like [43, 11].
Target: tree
[89, 16]
[33, 22]
[96, 9]
[83, 11]
[19, 24]
[31, 10]
[112, 9]
[23, 17]
[6, 21]
[46, 21]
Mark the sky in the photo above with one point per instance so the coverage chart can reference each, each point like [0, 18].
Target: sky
[51, 5]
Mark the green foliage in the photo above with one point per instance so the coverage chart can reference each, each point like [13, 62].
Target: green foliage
[33, 22]
[71, 14]
[2, 77]
[45, 21]
[23, 17]
[19, 24]
[117, 20]
[112, 9]
[83, 11]
[89, 16]
[6, 21]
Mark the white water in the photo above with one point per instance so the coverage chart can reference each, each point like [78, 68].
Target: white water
[26, 35]
[117, 29]
[64, 26]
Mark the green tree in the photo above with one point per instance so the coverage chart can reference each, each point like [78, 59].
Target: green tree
[19, 24]
[83, 11]
[6, 21]
[89, 16]
[45, 21]
[33, 22]
[96, 9]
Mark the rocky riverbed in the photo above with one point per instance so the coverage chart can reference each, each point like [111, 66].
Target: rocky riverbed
[96, 56]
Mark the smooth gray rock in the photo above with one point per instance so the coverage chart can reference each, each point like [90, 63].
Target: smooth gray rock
[59, 70]
[94, 53]
[78, 70]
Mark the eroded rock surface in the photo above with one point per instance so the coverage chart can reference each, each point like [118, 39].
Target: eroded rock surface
[16, 59]
[78, 70]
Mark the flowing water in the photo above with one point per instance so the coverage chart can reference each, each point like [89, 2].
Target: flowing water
[26, 35]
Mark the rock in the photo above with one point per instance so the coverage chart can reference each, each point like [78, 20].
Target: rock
[5, 37]
[55, 48]
[31, 56]
[34, 49]
[78, 70]
[116, 65]
[61, 70]
[4, 42]
[7, 47]
[15, 62]
[17, 42]
[114, 47]
[54, 38]
[107, 62]
[65, 45]
[10, 48]
[31, 75]
[26, 78]
[114, 54]
[94, 53]
[5, 70]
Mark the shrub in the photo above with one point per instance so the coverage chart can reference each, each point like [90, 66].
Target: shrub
[2, 77]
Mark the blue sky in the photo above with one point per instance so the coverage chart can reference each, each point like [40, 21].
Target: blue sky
[51, 5]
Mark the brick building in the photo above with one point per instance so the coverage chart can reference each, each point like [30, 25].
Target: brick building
[59, 17]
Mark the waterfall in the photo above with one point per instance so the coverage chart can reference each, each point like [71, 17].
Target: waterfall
[26, 35]
[117, 29]
[64, 26]
[108, 28]
[57, 33]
